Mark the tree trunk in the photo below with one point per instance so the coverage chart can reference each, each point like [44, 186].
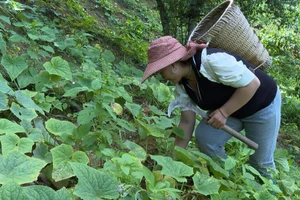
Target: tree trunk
[193, 14]
[163, 17]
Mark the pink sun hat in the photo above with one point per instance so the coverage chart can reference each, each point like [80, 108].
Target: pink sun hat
[165, 51]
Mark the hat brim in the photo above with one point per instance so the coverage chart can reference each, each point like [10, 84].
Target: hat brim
[164, 62]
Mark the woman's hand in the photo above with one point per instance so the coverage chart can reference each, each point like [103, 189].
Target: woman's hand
[217, 119]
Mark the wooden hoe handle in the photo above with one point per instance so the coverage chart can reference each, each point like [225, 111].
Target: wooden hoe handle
[239, 136]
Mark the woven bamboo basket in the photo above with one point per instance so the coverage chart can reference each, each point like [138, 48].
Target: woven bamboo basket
[226, 27]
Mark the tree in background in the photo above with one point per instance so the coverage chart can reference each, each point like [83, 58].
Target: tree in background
[179, 17]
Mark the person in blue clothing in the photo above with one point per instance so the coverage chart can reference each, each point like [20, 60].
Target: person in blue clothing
[223, 84]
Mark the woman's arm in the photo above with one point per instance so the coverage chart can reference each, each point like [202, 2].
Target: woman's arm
[239, 98]
[187, 123]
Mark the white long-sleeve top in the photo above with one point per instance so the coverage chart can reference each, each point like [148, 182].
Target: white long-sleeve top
[220, 68]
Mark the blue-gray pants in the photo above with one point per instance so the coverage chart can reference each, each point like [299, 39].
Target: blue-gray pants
[262, 127]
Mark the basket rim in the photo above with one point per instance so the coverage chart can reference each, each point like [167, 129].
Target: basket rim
[231, 2]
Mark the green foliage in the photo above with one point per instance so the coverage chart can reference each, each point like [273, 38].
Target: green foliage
[19, 168]
[94, 184]
[12, 142]
[205, 184]
[127, 168]
[59, 67]
[12, 190]
[9, 127]
[76, 117]
[172, 168]
[14, 66]
[62, 155]
[131, 31]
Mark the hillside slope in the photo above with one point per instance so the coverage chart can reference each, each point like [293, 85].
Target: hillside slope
[124, 27]
[76, 123]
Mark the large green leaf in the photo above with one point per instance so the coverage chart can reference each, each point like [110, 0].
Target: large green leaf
[230, 163]
[64, 194]
[214, 167]
[8, 127]
[59, 128]
[288, 186]
[94, 184]
[2, 45]
[175, 169]
[23, 113]
[205, 184]
[5, 88]
[121, 92]
[32, 54]
[25, 100]
[125, 124]
[178, 131]
[3, 101]
[27, 77]
[281, 160]
[97, 84]
[50, 34]
[127, 167]
[13, 65]
[74, 91]
[161, 92]
[40, 129]
[43, 53]
[60, 67]
[44, 80]
[225, 195]
[151, 130]
[149, 176]
[47, 48]
[62, 155]
[35, 134]
[41, 152]
[110, 110]
[162, 122]
[19, 168]
[39, 192]
[86, 115]
[108, 56]
[134, 108]
[157, 111]
[18, 38]
[5, 19]
[184, 156]
[64, 44]
[32, 36]
[11, 191]
[45, 102]
[136, 150]
[11, 142]
[264, 194]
